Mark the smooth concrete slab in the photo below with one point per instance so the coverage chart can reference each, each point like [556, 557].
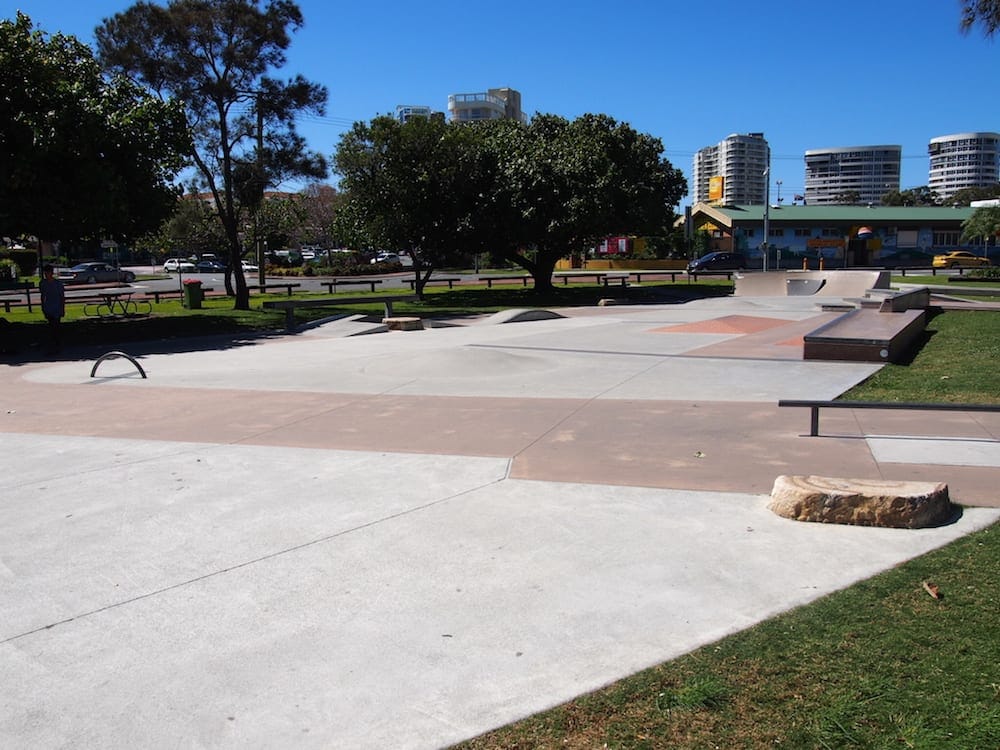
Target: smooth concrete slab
[940, 452]
[326, 605]
[582, 357]
[403, 540]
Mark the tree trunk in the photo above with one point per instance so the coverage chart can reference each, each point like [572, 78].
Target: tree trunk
[420, 280]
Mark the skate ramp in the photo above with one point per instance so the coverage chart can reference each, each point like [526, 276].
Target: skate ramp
[835, 283]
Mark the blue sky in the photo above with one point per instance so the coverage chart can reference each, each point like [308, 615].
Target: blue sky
[808, 75]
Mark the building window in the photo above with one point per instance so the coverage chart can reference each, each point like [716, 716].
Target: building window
[803, 233]
[775, 232]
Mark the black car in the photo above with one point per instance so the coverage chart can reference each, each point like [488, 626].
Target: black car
[718, 261]
[209, 266]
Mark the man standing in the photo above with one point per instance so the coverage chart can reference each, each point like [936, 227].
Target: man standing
[53, 304]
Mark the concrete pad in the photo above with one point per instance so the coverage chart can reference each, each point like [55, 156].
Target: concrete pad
[327, 540]
[311, 610]
[953, 452]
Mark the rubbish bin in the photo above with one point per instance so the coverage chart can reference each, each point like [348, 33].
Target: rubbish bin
[193, 295]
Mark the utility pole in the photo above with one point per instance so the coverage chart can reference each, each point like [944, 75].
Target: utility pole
[260, 176]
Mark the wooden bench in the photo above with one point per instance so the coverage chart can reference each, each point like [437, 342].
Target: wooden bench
[275, 285]
[450, 280]
[672, 274]
[621, 278]
[815, 406]
[331, 286]
[695, 274]
[156, 293]
[25, 288]
[567, 275]
[523, 278]
[290, 305]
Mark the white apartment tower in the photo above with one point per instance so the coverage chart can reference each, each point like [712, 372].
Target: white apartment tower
[733, 171]
[963, 160]
[494, 104]
[866, 172]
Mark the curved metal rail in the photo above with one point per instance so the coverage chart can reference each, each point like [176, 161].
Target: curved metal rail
[116, 355]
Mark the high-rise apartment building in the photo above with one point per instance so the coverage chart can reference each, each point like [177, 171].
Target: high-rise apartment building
[494, 104]
[733, 172]
[853, 174]
[963, 160]
[406, 112]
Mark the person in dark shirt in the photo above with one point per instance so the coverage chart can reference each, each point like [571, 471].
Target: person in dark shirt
[53, 304]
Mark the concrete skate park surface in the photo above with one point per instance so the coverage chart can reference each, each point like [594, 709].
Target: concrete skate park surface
[406, 539]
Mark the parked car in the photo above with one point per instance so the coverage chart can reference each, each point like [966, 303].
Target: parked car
[178, 264]
[209, 266]
[94, 272]
[718, 261]
[959, 258]
[249, 266]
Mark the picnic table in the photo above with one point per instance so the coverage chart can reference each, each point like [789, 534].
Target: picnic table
[115, 302]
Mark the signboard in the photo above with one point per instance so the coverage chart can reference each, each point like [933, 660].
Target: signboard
[716, 187]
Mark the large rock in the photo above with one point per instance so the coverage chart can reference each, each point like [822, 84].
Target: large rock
[862, 502]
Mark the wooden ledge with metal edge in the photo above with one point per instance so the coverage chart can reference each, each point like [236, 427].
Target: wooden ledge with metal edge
[290, 305]
[815, 406]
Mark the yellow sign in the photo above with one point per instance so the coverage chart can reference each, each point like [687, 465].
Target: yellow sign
[716, 187]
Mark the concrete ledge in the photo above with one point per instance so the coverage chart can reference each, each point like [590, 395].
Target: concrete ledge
[403, 324]
[861, 502]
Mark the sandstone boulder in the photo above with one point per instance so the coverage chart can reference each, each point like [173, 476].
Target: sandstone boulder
[862, 502]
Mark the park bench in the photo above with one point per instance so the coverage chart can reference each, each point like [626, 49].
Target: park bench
[331, 286]
[156, 294]
[450, 280]
[291, 305]
[287, 286]
[523, 278]
[14, 298]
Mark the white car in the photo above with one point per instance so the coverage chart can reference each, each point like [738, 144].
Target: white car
[247, 266]
[178, 265]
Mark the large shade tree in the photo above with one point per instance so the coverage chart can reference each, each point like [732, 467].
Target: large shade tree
[412, 186]
[216, 57]
[530, 194]
[564, 185]
[82, 156]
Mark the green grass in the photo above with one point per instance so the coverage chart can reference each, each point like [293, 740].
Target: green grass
[878, 665]
[956, 364]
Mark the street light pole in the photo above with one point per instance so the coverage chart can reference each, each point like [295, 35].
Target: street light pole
[767, 210]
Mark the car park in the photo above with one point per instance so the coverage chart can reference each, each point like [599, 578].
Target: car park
[959, 259]
[95, 272]
[718, 261]
[178, 265]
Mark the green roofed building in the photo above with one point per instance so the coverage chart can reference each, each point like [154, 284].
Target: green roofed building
[842, 235]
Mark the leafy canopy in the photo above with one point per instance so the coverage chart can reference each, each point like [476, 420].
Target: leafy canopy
[216, 57]
[82, 156]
